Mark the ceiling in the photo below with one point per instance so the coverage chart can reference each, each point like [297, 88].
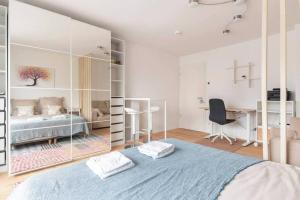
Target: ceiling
[153, 22]
[30, 27]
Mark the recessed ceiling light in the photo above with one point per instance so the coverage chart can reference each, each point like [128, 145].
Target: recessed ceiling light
[177, 32]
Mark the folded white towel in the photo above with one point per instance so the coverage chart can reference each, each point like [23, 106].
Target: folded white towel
[156, 156]
[109, 164]
[156, 149]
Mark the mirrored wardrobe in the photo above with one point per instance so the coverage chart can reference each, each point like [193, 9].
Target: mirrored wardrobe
[3, 84]
[59, 88]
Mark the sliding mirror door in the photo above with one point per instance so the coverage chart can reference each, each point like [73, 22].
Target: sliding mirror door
[91, 89]
[40, 88]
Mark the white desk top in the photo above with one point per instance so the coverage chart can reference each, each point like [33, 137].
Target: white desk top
[233, 109]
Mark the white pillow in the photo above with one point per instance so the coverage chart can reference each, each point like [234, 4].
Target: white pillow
[53, 110]
[24, 111]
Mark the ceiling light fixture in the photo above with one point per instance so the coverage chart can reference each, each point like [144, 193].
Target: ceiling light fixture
[195, 3]
[226, 32]
[237, 18]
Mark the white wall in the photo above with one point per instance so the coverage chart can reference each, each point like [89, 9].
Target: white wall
[239, 95]
[153, 73]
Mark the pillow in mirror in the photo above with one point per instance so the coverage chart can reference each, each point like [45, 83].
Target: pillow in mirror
[50, 101]
[53, 110]
[25, 111]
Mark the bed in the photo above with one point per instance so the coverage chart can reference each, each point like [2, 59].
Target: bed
[45, 118]
[36, 128]
[191, 172]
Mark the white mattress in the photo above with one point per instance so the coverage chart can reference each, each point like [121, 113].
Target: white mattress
[264, 181]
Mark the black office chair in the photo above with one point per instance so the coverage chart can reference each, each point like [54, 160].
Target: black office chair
[217, 114]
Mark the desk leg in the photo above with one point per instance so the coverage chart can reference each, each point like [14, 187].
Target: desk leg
[248, 142]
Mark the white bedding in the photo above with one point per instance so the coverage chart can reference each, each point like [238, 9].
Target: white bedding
[264, 181]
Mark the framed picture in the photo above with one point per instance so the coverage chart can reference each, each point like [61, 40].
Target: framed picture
[35, 76]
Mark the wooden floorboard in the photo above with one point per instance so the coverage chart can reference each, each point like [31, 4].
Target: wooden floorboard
[8, 183]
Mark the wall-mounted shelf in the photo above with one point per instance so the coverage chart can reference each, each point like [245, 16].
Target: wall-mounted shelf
[242, 73]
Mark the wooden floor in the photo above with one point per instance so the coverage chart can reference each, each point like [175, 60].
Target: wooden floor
[8, 183]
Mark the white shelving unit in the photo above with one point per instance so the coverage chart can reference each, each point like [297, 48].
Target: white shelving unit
[3, 85]
[117, 91]
[242, 73]
[273, 112]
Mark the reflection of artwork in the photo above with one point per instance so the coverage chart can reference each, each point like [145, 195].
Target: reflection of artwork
[36, 76]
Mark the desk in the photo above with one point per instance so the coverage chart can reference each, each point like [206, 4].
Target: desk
[246, 111]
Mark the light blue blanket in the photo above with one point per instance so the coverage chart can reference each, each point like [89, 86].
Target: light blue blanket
[27, 131]
[191, 172]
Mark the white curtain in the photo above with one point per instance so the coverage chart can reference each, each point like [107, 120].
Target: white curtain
[85, 82]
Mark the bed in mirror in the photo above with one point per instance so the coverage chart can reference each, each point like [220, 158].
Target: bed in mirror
[59, 97]
[91, 87]
[40, 83]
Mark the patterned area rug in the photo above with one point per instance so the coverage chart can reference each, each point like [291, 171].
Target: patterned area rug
[29, 157]
[35, 160]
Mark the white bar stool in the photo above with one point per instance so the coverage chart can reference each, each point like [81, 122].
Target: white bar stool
[134, 115]
[150, 120]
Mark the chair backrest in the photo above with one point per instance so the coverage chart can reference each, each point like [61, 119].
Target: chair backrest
[217, 111]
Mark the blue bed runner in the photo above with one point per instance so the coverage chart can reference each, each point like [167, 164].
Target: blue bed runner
[191, 172]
